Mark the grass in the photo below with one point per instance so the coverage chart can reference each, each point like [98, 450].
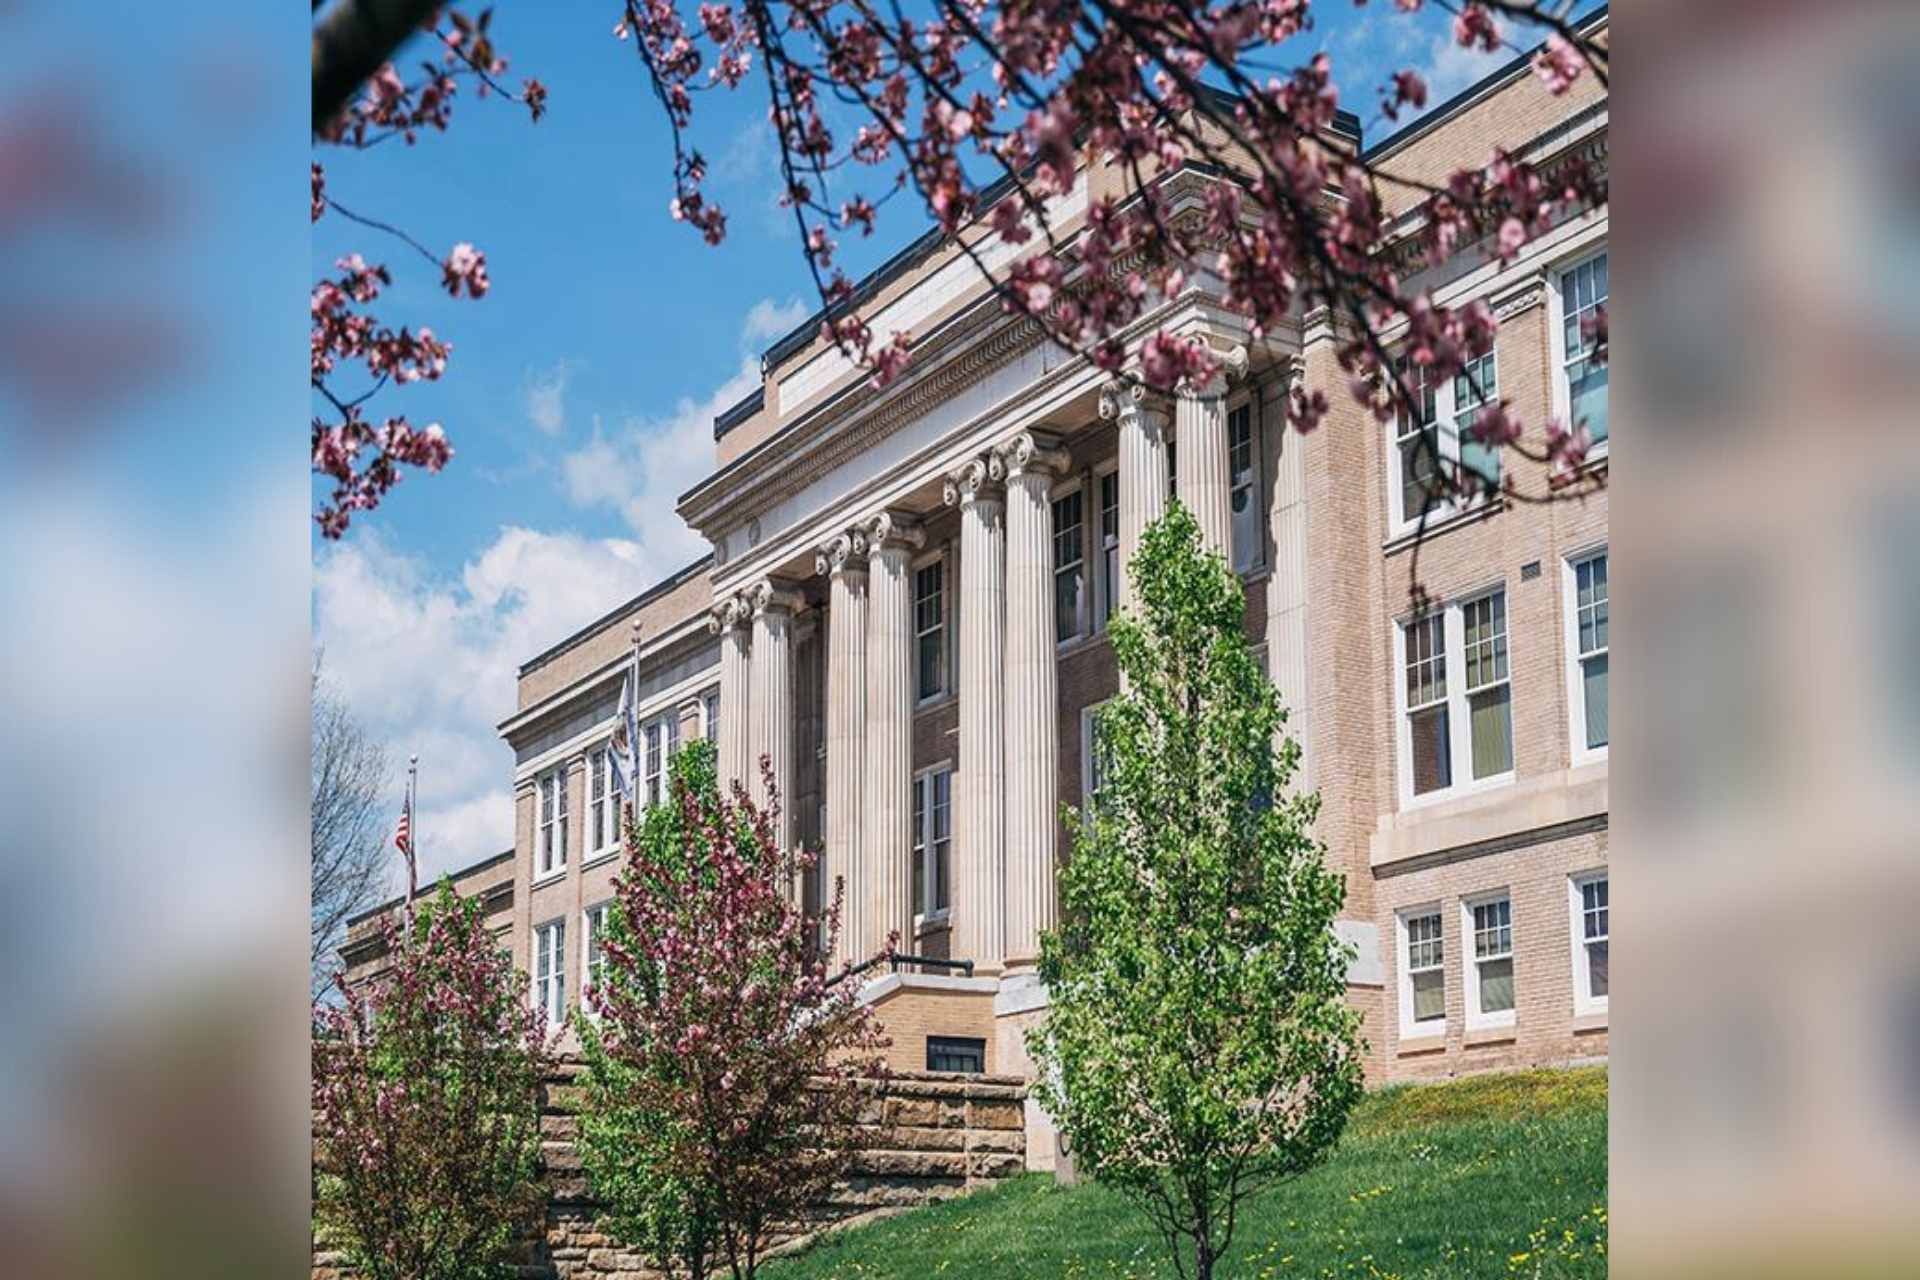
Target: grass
[1493, 1176]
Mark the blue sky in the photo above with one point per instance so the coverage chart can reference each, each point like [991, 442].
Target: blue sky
[581, 390]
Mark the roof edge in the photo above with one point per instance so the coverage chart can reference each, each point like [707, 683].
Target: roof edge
[677, 578]
[467, 870]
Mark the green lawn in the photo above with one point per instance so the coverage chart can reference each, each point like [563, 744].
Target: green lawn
[1501, 1175]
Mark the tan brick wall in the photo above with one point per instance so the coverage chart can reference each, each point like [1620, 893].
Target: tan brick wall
[908, 1016]
[589, 652]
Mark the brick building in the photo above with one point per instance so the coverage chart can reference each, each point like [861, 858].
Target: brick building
[906, 601]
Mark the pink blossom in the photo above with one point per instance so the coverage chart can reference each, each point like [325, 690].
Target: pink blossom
[1474, 25]
[1558, 64]
[465, 265]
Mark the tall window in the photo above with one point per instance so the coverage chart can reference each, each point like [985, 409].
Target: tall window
[550, 970]
[1069, 567]
[1109, 544]
[1488, 692]
[1470, 639]
[659, 737]
[1436, 439]
[713, 715]
[930, 628]
[1243, 471]
[593, 950]
[1093, 765]
[932, 840]
[1590, 943]
[1423, 982]
[1583, 296]
[603, 805]
[1588, 597]
[1426, 657]
[1489, 978]
[553, 820]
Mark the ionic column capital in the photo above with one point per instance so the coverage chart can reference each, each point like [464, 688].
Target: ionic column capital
[1127, 402]
[731, 613]
[893, 531]
[1231, 367]
[1029, 453]
[971, 481]
[844, 553]
[770, 596]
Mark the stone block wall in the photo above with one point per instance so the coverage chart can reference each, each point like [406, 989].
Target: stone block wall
[930, 1136]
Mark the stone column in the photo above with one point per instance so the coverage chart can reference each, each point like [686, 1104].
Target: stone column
[1029, 462]
[1143, 471]
[1206, 487]
[772, 700]
[980, 868]
[844, 561]
[729, 621]
[886, 863]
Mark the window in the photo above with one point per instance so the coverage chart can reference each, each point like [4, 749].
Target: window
[932, 841]
[930, 628]
[1489, 977]
[603, 804]
[553, 820]
[1423, 975]
[593, 951]
[1590, 943]
[712, 730]
[1069, 568]
[660, 738]
[957, 1053]
[1583, 296]
[1471, 638]
[1587, 641]
[1092, 757]
[1109, 544]
[1489, 695]
[1243, 472]
[1431, 443]
[549, 971]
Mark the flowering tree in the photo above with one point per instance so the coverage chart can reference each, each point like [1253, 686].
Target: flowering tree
[426, 1098]
[725, 1074]
[984, 109]
[365, 460]
[1199, 1045]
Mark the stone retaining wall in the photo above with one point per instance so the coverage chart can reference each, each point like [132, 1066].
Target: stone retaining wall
[930, 1137]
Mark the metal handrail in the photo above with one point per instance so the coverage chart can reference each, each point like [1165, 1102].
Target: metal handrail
[895, 959]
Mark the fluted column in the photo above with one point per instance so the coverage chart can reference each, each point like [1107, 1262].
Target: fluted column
[1029, 463]
[980, 850]
[1143, 472]
[886, 863]
[1200, 422]
[729, 621]
[844, 561]
[772, 700]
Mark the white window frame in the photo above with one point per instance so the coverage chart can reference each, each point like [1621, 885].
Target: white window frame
[922, 839]
[1458, 703]
[1585, 1003]
[1106, 578]
[589, 938]
[1471, 960]
[1084, 606]
[550, 823]
[1256, 484]
[1086, 755]
[602, 836]
[550, 987]
[1581, 753]
[1411, 1028]
[1562, 392]
[940, 558]
[709, 713]
[1448, 429]
[667, 725]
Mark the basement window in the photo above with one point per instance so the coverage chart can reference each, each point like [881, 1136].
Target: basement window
[957, 1053]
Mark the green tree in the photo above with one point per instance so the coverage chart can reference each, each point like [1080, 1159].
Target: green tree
[1199, 1045]
[426, 1099]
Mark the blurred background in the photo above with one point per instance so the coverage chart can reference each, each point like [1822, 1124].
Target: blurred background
[155, 651]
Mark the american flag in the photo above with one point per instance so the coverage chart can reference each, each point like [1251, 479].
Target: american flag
[402, 835]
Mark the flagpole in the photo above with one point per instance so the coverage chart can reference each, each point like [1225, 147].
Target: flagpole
[413, 830]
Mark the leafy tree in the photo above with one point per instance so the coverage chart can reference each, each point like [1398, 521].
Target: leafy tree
[1199, 1046]
[725, 1074]
[426, 1096]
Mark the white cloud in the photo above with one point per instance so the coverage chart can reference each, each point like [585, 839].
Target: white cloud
[546, 398]
[640, 468]
[429, 661]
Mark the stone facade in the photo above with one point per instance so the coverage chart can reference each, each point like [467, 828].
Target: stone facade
[930, 1136]
[905, 611]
